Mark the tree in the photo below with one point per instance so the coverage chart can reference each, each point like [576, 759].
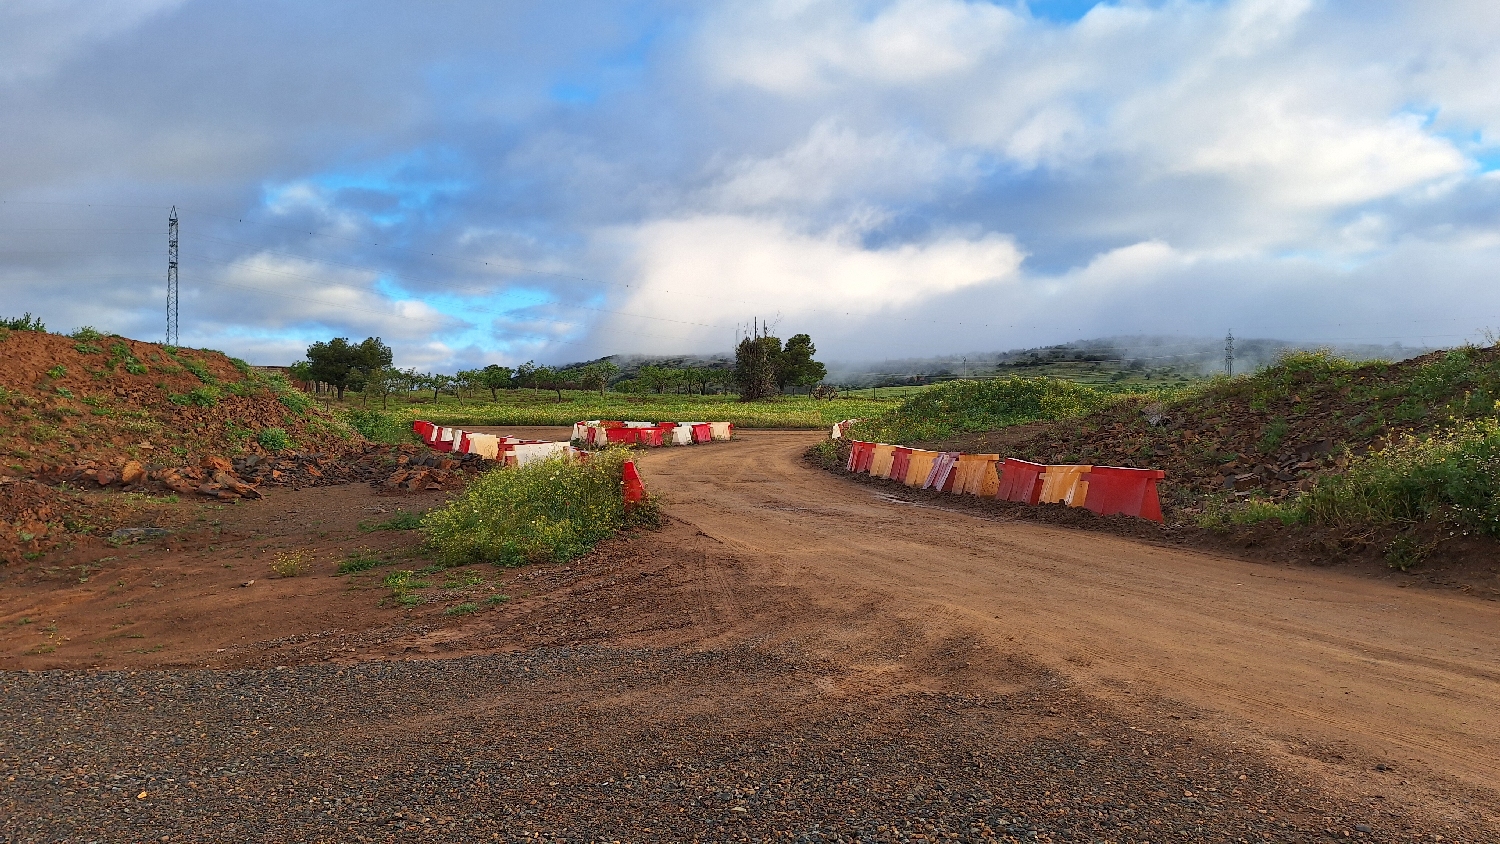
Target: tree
[596, 375]
[526, 375]
[795, 364]
[385, 381]
[654, 378]
[438, 382]
[343, 365]
[495, 377]
[466, 379]
[754, 367]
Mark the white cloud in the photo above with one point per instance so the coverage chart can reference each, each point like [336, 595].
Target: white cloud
[723, 270]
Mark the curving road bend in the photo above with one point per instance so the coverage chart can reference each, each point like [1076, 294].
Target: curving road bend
[1331, 671]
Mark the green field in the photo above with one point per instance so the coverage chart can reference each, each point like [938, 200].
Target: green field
[525, 407]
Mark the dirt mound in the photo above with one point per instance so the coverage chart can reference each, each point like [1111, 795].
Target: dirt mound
[1269, 435]
[109, 400]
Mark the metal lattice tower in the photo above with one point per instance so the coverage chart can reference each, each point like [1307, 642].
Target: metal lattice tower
[172, 335]
[1229, 354]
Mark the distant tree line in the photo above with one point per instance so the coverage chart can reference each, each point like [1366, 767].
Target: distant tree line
[763, 367]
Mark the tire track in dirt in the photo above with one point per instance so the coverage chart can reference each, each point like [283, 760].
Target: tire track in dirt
[1286, 656]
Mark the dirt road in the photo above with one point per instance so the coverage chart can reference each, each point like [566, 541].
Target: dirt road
[1346, 676]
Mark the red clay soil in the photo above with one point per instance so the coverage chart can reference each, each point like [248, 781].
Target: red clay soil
[65, 402]
[1211, 693]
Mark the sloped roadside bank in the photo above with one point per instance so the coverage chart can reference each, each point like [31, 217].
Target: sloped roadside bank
[1314, 459]
[1470, 564]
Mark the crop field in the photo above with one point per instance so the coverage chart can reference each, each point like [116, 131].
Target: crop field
[527, 407]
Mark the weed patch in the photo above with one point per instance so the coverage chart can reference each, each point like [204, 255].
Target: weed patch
[291, 563]
[552, 511]
[401, 521]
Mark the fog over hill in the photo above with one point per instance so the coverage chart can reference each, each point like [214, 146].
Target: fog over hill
[1192, 356]
[1188, 356]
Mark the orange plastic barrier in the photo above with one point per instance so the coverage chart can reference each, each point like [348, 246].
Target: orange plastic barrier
[900, 462]
[1064, 484]
[1114, 489]
[976, 474]
[880, 461]
[634, 489]
[1020, 481]
[919, 466]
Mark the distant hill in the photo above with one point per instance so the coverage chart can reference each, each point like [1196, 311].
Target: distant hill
[1128, 359]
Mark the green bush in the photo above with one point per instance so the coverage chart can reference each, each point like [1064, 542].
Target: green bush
[1454, 476]
[23, 323]
[274, 439]
[964, 406]
[200, 369]
[204, 396]
[380, 427]
[552, 511]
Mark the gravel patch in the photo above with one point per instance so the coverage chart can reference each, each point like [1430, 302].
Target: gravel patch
[740, 743]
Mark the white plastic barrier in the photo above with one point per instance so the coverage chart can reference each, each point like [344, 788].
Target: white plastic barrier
[721, 430]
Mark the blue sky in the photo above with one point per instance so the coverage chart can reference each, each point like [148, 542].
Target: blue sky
[491, 182]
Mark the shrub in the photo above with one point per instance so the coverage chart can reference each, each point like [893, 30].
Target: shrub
[274, 439]
[58, 371]
[552, 511]
[23, 323]
[1454, 476]
[461, 609]
[87, 334]
[961, 406]
[381, 427]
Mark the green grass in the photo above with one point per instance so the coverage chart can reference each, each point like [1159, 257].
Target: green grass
[359, 561]
[380, 426]
[401, 521]
[462, 609]
[968, 406]
[546, 512]
[524, 407]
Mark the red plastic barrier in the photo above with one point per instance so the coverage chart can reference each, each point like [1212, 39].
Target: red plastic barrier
[635, 491]
[437, 444]
[649, 437]
[620, 435]
[1020, 481]
[422, 429]
[866, 458]
[900, 462]
[1114, 489]
[702, 433]
[853, 455]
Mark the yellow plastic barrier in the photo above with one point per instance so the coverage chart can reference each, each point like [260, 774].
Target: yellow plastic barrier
[880, 465]
[920, 467]
[971, 473]
[1063, 484]
[983, 479]
[990, 486]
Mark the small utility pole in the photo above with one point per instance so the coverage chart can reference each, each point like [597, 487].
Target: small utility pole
[172, 333]
[1229, 353]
